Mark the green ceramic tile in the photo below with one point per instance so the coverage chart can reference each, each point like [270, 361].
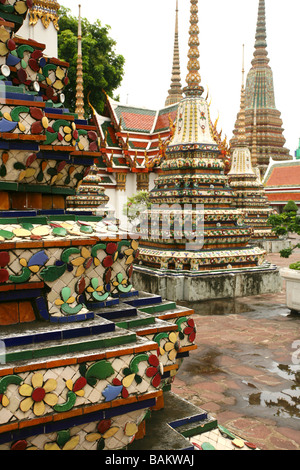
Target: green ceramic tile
[159, 308]
[18, 356]
[32, 188]
[203, 426]
[33, 220]
[8, 220]
[58, 190]
[136, 322]
[8, 186]
[54, 351]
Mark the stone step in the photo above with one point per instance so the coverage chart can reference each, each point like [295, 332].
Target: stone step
[141, 319]
[116, 312]
[160, 435]
[143, 300]
[41, 333]
[194, 425]
[158, 308]
[48, 342]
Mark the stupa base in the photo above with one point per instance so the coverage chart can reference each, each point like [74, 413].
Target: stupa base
[273, 246]
[193, 286]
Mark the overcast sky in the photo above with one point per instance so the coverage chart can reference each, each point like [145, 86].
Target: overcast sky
[144, 32]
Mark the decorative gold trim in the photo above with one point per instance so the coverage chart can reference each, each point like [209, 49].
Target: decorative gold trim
[46, 11]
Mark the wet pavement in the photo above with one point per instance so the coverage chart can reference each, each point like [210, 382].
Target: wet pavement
[246, 370]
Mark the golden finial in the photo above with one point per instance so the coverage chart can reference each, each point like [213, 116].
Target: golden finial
[193, 78]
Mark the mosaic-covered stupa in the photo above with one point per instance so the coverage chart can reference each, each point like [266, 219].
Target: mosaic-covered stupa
[84, 356]
[194, 189]
[264, 126]
[250, 195]
[90, 196]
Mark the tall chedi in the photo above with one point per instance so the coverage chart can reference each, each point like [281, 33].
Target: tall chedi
[267, 134]
[175, 92]
[249, 190]
[192, 191]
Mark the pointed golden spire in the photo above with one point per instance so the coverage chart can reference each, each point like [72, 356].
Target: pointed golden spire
[79, 86]
[193, 78]
[175, 92]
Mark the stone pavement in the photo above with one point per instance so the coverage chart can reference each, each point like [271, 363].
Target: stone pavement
[246, 370]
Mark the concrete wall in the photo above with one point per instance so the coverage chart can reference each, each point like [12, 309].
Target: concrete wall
[201, 286]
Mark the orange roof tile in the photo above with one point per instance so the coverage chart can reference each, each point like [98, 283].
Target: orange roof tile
[284, 175]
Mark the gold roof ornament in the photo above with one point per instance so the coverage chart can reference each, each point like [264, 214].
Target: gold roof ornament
[46, 11]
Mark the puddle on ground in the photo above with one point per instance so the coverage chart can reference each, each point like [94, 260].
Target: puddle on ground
[255, 310]
[204, 364]
[286, 402]
[216, 307]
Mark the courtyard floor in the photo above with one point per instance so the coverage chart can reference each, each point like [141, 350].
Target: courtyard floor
[246, 370]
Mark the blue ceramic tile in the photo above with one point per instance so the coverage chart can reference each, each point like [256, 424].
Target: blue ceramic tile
[53, 110]
[100, 329]
[25, 433]
[4, 145]
[111, 392]
[42, 308]
[5, 437]
[7, 126]
[85, 161]
[75, 333]
[18, 214]
[183, 354]
[12, 60]
[23, 146]
[18, 341]
[54, 156]
[49, 336]
[191, 419]
[117, 314]
[81, 122]
[52, 212]
[20, 295]
[143, 301]
[133, 293]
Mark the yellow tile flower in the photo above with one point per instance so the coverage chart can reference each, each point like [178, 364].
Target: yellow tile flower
[38, 394]
[84, 261]
[132, 252]
[171, 346]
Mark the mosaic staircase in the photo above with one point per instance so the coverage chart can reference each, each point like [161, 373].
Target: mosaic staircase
[68, 363]
[192, 429]
[154, 319]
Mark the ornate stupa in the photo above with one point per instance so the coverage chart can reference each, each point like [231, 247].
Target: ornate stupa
[250, 195]
[192, 185]
[264, 131]
[90, 196]
[84, 355]
[175, 92]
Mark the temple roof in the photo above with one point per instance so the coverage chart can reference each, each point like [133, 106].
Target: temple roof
[132, 136]
[282, 182]
[284, 174]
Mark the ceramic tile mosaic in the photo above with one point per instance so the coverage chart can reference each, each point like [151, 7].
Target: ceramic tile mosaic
[77, 374]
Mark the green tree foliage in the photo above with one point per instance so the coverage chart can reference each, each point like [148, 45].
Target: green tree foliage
[285, 223]
[103, 69]
[136, 204]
